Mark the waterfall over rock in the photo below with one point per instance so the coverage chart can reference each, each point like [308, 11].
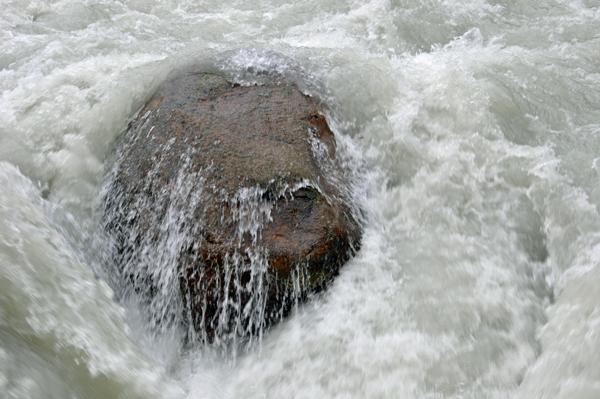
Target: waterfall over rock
[232, 199]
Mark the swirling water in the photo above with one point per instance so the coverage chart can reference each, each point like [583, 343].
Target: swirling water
[477, 123]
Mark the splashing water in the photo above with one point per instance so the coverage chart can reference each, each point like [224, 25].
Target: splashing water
[474, 125]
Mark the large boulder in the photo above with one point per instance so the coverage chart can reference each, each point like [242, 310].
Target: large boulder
[237, 192]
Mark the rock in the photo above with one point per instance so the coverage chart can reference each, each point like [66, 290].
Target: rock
[237, 192]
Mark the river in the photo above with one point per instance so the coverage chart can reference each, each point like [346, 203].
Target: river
[475, 127]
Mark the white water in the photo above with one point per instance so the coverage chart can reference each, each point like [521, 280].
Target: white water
[479, 123]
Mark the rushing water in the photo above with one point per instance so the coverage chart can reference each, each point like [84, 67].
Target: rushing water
[477, 128]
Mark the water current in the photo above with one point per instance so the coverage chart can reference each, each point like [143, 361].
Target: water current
[475, 126]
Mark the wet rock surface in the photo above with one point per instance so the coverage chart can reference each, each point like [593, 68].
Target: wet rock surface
[236, 195]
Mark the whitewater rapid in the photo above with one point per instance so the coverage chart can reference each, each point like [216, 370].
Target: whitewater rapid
[474, 126]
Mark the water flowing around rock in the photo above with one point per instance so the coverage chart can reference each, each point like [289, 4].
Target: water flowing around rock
[474, 124]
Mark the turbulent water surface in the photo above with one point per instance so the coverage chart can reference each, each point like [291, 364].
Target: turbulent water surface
[474, 127]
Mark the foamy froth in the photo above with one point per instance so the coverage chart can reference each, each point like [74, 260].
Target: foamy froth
[472, 128]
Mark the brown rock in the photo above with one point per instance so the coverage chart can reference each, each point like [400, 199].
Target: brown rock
[237, 190]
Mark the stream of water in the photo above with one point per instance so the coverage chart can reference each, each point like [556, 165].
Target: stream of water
[475, 126]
